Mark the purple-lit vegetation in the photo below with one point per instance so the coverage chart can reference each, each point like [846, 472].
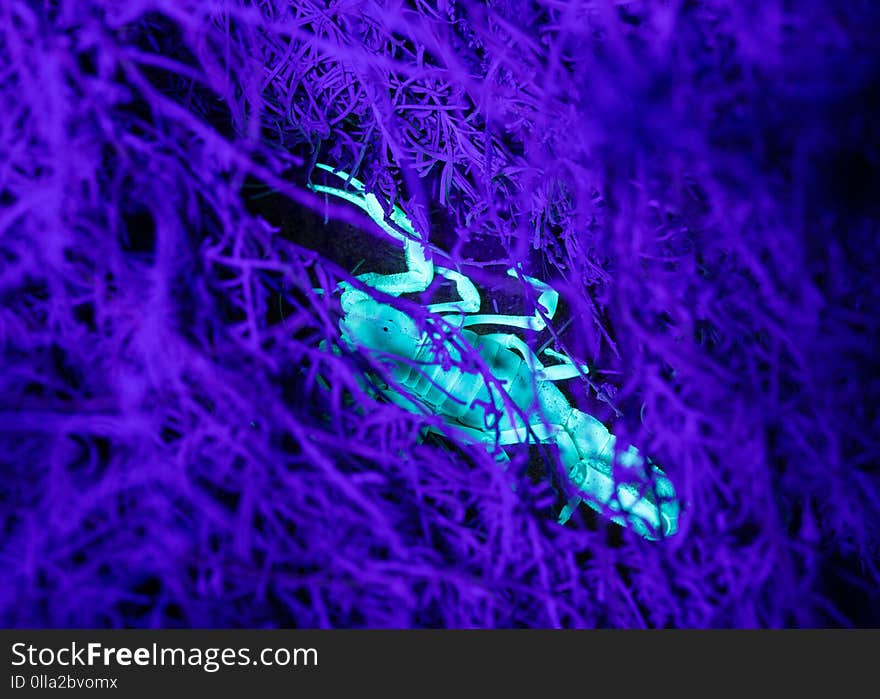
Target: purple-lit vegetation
[697, 179]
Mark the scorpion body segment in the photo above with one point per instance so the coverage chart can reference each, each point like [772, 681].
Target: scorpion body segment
[520, 404]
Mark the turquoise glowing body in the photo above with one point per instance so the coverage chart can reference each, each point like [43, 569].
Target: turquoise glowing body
[529, 408]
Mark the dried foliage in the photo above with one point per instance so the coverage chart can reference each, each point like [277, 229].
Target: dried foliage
[698, 179]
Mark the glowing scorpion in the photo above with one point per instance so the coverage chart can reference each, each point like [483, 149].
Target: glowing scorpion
[477, 412]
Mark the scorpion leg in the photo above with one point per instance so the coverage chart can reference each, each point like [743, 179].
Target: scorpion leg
[547, 303]
[516, 343]
[569, 509]
[469, 296]
[567, 370]
[514, 435]
[526, 322]
[419, 274]
[401, 400]
[548, 298]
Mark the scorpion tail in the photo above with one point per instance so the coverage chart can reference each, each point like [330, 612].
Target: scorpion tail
[636, 494]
